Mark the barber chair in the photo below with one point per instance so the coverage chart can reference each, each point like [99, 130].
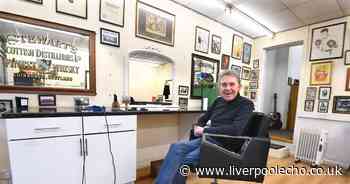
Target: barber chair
[238, 153]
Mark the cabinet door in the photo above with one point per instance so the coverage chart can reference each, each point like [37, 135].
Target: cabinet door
[99, 163]
[46, 161]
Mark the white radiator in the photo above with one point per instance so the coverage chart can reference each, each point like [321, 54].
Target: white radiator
[311, 146]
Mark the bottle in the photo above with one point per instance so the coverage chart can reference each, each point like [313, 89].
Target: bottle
[115, 104]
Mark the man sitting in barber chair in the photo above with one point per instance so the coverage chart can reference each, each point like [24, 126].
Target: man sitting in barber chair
[228, 115]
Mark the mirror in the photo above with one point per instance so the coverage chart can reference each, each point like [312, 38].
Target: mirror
[150, 77]
[42, 57]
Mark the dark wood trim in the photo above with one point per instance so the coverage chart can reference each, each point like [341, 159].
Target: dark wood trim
[244, 52]
[195, 41]
[347, 85]
[233, 43]
[66, 13]
[105, 21]
[57, 26]
[282, 139]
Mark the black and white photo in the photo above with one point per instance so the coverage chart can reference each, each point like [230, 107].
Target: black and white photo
[183, 90]
[215, 44]
[6, 106]
[323, 106]
[110, 37]
[324, 93]
[72, 7]
[309, 105]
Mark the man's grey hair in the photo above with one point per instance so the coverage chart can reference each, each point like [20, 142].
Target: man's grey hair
[229, 73]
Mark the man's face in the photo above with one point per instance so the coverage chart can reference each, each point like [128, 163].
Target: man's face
[229, 87]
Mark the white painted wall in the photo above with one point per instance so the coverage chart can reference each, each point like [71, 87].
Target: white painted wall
[295, 61]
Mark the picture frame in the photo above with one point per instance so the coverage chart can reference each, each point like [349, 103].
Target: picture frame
[253, 85]
[341, 104]
[183, 103]
[154, 24]
[47, 100]
[252, 95]
[327, 42]
[109, 37]
[204, 71]
[237, 47]
[237, 70]
[225, 62]
[245, 73]
[35, 1]
[247, 51]
[112, 12]
[256, 63]
[323, 106]
[215, 44]
[321, 73]
[6, 106]
[72, 8]
[347, 84]
[254, 75]
[309, 105]
[324, 93]
[347, 57]
[311, 93]
[183, 90]
[202, 40]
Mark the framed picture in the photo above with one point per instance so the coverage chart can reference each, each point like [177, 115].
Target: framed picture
[112, 12]
[327, 42]
[252, 95]
[311, 93]
[254, 75]
[73, 8]
[109, 37]
[347, 84]
[204, 75]
[154, 24]
[47, 100]
[323, 106]
[6, 106]
[324, 93]
[309, 105]
[183, 103]
[253, 85]
[215, 44]
[247, 51]
[237, 70]
[202, 40]
[237, 47]
[245, 73]
[347, 58]
[341, 104]
[321, 73]
[225, 61]
[36, 1]
[183, 90]
[256, 63]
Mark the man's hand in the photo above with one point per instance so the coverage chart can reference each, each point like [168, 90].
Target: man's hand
[198, 131]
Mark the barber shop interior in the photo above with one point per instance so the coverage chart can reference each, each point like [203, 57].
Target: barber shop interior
[174, 91]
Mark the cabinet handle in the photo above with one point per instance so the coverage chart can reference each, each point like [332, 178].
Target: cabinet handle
[47, 129]
[113, 124]
[86, 147]
[81, 147]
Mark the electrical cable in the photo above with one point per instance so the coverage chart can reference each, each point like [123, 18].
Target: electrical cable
[110, 151]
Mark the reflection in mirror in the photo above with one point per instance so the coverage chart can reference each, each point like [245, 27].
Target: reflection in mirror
[150, 77]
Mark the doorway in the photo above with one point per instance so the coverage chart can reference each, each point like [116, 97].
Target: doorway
[281, 85]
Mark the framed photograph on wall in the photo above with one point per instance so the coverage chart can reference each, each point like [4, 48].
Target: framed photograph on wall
[35, 1]
[253, 85]
[347, 84]
[183, 103]
[73, 8]
[341, 104]
[311, 93]
[215, 44]
[254, 75]
[245, 73]
[327, 42]
[183, 90]
[202, 40]
[309, 105]
[347, 58]
[247, 51]
[256, 63]
[154, 24]
[237, 70]
[47, 100]
[324, 93]
[321, 73]
[237, 47]
[323, 106]
[109, 37]
[225, 61]
[6, 106]
[112, 12]
[252, 95]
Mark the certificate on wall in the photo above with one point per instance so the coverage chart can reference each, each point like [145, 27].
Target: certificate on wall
[112, 12]
[77, 8]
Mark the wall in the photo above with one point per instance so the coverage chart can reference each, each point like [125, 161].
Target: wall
[314, 121]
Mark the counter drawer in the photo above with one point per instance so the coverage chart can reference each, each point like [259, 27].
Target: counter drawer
[97, 124]
[24, 128]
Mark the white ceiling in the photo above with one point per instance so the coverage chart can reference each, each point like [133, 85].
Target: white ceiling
[275, 15]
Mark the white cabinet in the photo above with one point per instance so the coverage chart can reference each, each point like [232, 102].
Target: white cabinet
[52, 150]
[43, 161]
